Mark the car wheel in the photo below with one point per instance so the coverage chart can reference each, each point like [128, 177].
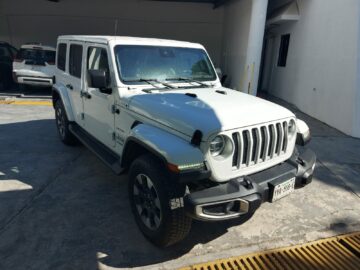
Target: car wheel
[157, 202]
[62, 124]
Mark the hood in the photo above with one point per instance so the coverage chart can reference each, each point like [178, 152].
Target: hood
[206, 109]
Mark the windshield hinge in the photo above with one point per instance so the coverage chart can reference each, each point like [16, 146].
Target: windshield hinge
[115, 110]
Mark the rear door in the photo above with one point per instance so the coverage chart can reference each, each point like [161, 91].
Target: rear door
[99, 117]
[74, 81]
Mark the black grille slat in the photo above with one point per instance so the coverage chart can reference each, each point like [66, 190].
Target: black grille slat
[236, 149]
[271, 140]
[246, 146]
[279, 139]
[255, 144]
[259, 144]
[285, 127]
[262, 147]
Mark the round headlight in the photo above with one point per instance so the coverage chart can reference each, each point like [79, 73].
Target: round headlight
[217, 145]
[292, 127]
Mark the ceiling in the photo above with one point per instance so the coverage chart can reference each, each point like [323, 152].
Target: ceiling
[215, 3]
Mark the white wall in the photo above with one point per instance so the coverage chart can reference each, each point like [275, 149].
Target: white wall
[244, 23]
[43, 21]
[321, 76]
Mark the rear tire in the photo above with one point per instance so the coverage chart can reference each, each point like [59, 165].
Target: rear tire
[157, 202]
[62, 124]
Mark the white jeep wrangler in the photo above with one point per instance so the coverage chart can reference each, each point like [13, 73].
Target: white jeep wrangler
[193, 149]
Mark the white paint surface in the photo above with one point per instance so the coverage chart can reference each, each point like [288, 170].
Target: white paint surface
[322, 72]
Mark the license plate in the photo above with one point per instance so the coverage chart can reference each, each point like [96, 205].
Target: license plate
[283, 189]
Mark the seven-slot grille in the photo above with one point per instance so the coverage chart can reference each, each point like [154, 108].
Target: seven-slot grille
[259, 144]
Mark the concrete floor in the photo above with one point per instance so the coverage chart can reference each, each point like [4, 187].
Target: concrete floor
[61, 208]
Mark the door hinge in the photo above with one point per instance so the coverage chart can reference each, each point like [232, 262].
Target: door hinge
[82, 116]
[114, 110]
[113, 136]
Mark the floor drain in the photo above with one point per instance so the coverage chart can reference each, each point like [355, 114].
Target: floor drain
[336, 253]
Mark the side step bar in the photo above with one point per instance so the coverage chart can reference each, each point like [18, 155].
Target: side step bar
[104, 153]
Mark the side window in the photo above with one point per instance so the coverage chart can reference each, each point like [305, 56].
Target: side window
[75, 60]
[97, 59]
[13, 51]
[61, 56]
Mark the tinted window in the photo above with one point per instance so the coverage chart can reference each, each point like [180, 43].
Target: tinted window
[283, 51]
[61, 56]
[4, 52]
[98, 60]
[36, 56]
[75, 60]
[162, 63]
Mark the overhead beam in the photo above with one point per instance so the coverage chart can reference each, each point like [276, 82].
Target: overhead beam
[216, 3]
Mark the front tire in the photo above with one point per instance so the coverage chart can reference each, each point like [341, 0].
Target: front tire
[156, 202]
[62, 124]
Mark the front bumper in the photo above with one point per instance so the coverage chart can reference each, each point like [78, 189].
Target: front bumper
[244, 195]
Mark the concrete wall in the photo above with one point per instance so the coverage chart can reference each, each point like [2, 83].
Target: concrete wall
[322, 72]
[243, 34]
[40, 20]
[236, 13]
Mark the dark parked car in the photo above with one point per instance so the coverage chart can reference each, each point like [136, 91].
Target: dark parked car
[7, 55]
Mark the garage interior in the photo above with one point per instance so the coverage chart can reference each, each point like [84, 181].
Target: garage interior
[231, 30]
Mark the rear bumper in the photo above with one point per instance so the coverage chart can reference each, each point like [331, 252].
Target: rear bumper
[243, 196]
[33, 80]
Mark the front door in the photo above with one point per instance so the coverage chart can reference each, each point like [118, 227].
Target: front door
[98, 111]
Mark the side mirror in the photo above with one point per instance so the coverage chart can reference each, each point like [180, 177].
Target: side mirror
[98, 79]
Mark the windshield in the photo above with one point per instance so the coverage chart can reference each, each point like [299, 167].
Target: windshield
[136, 63]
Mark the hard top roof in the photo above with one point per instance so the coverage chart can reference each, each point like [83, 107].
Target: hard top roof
[37, 46]
[125, 40]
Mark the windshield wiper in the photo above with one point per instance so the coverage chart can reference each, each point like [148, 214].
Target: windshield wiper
[188, 80]
[151, 82]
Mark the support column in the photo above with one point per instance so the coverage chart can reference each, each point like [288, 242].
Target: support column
[249, 83]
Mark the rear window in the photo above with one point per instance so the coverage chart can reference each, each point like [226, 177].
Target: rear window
[75, 60]
[37, 56]
[61, 56]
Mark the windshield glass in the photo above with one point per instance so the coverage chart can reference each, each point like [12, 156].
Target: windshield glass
[162, 63]
[36, 55]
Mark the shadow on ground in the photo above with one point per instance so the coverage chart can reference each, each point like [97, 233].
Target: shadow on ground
[26, 91]
[77, 214]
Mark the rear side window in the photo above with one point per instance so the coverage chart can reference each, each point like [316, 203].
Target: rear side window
[61, 56]
[75, 60]
[4, 52]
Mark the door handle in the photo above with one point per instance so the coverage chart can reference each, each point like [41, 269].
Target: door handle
[70, 86]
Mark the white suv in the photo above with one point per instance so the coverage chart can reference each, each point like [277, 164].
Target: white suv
[34, 65]
[192, 148]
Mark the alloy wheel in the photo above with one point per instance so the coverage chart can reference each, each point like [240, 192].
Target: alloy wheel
[147, 202]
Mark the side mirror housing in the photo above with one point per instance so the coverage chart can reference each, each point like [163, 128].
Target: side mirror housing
[98, 79]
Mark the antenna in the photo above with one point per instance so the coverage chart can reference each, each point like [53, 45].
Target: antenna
[116, 26]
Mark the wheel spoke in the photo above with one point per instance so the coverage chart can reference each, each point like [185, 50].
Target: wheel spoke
[156, 220]
[147, 201]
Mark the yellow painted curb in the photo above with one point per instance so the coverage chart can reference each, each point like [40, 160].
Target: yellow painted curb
[336, 253]
[27, 102]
